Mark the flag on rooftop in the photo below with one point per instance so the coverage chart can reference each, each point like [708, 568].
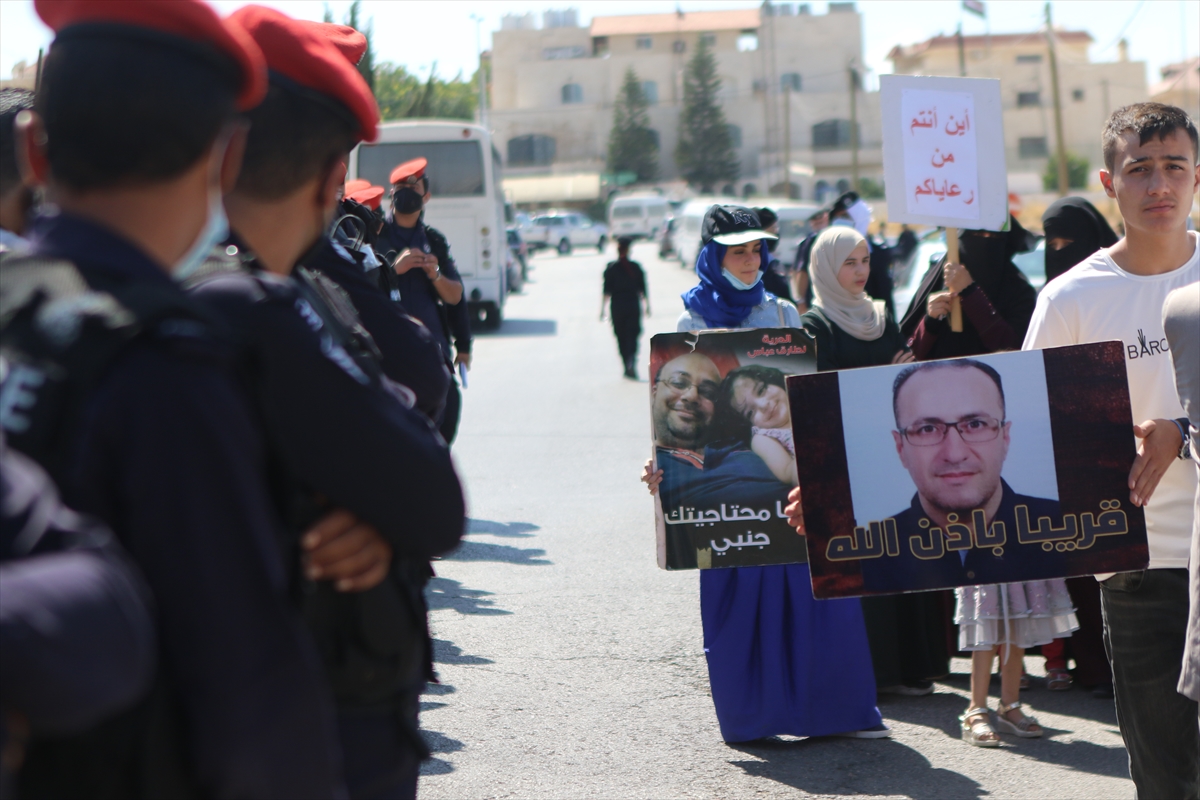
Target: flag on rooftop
[975, 7]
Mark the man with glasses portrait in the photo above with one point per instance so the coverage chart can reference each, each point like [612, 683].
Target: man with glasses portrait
[695, 470]
[952, 436]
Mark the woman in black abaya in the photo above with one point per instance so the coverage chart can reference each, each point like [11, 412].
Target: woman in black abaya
[997, 299]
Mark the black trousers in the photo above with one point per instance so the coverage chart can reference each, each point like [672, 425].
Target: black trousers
[628, 331]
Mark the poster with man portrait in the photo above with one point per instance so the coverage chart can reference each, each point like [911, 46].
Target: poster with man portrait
[991, 469]
[723, 438]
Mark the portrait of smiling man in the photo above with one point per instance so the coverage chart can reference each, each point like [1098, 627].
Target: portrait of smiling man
[952, 435]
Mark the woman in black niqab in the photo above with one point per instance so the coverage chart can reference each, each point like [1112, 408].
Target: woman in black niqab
[997, 299]
[1074, 230]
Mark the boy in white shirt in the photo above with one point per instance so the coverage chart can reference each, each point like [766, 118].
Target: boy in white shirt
[1150, 155]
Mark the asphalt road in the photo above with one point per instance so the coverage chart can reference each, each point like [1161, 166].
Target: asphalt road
[571, 666]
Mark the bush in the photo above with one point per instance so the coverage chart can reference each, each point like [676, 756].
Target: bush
[1077, 173]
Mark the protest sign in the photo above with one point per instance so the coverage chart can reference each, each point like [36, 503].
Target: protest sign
[723, 439]
[943, 151]
[992, 469]
[943, 156]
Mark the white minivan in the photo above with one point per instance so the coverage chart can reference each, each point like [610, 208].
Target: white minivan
[640, 216]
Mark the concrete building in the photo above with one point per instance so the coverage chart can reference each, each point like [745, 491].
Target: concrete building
[1089, 92]
[785, 91]
[24, 76]
[1180, 86]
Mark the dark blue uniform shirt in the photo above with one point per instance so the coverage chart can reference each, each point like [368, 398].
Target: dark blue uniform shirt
[171, 459]
[335, 427]
[409, 354]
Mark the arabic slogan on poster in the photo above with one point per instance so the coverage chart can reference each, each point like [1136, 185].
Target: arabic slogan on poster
[941, 175]
[943, 147]
[723, 438]
[993, 469]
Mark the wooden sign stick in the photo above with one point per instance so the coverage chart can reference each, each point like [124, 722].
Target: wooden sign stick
[956, 322]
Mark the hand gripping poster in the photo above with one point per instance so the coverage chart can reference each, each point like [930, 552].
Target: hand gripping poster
[723, 439]
[992, 469]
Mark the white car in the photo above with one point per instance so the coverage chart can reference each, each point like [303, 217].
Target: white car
[565, 231]
[931, 249]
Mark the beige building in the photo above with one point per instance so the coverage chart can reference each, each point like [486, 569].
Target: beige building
[1089, 91]
[24, 76]
[1180, 86]
[785, 91]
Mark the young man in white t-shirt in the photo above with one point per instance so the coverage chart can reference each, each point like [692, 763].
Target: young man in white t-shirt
[1150, 156]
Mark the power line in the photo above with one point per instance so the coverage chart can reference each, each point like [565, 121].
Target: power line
[1124, 27]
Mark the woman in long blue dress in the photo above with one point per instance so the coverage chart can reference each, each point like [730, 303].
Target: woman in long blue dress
[779, 661]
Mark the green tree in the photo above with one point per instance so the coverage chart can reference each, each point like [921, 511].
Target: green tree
[705, 154]
[366, 65]
[632, 146]
[1077, 173]
[402, 95]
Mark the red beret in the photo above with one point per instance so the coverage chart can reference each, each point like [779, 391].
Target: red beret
[409, 169]
[356, 185]
[349, 42]
[298, 52]
[187, 19]
[369, 197]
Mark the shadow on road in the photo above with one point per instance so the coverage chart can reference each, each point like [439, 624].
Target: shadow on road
[940, 712]
[482, 551]
[828, 766]
[447, 593]
[504, 529]
[449, 653]
[438, 743]
[523, 327]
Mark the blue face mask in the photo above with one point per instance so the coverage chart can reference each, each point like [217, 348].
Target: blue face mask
[215, 231]
[729, 276]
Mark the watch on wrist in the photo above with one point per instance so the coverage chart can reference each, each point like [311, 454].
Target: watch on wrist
[1185, 451]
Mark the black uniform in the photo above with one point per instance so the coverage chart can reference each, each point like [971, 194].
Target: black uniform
[408, 351]
[625, 283]
[76, 629]
[420, 298]
[171, 458]
[340, 432]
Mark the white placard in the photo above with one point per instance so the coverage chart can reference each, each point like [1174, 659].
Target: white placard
[941, 173]
[943, 151]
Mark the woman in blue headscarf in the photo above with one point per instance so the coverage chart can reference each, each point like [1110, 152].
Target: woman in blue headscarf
[779, 662]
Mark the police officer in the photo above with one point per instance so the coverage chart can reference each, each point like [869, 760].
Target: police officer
[75, 623]
[135, 136]
[430, 287]
[340, 431]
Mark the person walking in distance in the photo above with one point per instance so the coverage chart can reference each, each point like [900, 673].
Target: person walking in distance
[625, 297]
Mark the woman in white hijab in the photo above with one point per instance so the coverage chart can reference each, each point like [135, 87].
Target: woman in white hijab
[851, 329]
[907, 633]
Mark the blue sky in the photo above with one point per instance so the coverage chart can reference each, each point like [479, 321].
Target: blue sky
[418, 33]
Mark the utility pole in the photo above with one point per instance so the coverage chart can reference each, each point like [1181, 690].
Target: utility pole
[787, 140]
[482, 74]
[853, 126]
[1060, 147]
[962, 53]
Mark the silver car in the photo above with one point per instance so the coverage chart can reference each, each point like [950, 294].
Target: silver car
[565, 231]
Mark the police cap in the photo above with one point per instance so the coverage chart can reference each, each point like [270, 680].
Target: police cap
[181, 21]
[409, 171]
[301, 59]
[371, 197]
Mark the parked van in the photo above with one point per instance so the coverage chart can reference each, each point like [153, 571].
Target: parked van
[638, 216]
[793, 225]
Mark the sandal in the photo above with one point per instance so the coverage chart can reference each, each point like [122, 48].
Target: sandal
[980, 732]
[1026, 681]
[1058, 680]
[1026, 727]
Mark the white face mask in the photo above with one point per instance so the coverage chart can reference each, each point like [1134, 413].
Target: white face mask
[729, 276]
[215, 231]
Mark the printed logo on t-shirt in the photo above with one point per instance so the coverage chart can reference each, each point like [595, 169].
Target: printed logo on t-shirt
[1146, 347]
